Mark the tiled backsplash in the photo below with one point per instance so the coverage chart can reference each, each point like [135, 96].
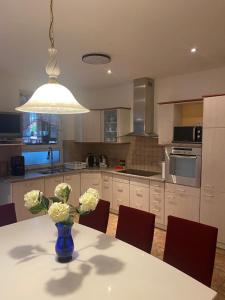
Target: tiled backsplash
[142, 153]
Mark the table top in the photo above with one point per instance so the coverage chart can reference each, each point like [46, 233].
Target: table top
[105, 268]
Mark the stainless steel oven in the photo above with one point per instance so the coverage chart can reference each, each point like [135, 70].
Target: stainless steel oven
[183, 165]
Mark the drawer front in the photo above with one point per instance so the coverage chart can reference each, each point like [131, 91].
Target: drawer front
[182, 189]
[157, 187]
[139, 197]
[51, 183]
[121, 195]
[121, 178]
[140, 182]
[106, 178]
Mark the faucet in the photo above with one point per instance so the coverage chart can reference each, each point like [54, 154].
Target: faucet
[50, 157]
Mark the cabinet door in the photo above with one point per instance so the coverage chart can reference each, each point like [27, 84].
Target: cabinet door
[91, 180]
[213, 159]
[18, 191]
[212, 211]
[165, 123]
[139, 197]
[107, 188]
[214, 112]
[92, 126]
[51, 183]
[157, 201]
[110, 126]
[74, 182]
[183, 202]
[120, 195]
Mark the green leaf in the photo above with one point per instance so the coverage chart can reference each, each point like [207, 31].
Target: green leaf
[55, 199]
[36, 209]
[45, 202]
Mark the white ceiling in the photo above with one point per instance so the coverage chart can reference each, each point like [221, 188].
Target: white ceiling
[144, 37]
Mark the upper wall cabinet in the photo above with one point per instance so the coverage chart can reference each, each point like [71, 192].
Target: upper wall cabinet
[115, 124]
[88, 127]
[165, 123]
[180, 113]
[214, 112]
[107, 126]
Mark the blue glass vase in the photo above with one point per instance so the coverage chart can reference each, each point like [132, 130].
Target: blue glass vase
[64, 245]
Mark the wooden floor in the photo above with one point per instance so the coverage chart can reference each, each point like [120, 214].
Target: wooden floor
[218, 282]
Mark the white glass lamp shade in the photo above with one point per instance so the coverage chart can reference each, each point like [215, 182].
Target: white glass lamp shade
[53, 98]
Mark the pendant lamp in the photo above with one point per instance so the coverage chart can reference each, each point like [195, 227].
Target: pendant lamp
[52, 97]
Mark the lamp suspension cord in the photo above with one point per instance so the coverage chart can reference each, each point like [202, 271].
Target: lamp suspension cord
[51, 27]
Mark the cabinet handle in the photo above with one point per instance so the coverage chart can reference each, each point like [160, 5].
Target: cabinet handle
[120, 190]
[209, 196]
[95, 184]
[106, 187]
[155, 185]
[180, 190]
[139, 195]
[172, 202]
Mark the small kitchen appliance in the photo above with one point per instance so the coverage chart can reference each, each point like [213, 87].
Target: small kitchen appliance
[187, 134]
[17, 166]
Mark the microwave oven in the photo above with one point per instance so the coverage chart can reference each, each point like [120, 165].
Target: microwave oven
[187, 134]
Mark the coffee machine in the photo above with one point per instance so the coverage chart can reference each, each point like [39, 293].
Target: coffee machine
[92, 160]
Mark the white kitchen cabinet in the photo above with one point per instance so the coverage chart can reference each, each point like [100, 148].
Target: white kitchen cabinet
[139, 194]
[107, 187]
[115, 124]
[213, 188]
[157, 201]
[182, 201]
[74, 181]
[165, 123]
[18, 190]
[214, 112]
[50, 184]
[88, 127]
[91, 180]
[121, 192]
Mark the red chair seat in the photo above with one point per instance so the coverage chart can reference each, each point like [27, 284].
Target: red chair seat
[190, 247]
[98, 219]
[136, 227]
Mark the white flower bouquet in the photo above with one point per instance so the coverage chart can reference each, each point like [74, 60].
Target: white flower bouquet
[58, 207]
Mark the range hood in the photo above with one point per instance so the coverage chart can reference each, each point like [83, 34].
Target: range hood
[143, 108]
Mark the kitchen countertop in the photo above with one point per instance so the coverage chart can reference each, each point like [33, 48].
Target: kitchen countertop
[35, 174]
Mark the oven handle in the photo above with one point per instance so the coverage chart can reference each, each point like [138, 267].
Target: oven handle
[184, 156]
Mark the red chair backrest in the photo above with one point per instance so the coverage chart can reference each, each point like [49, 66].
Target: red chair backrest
[98, 219]
[136, 227]
[191, 247]
[7, 214]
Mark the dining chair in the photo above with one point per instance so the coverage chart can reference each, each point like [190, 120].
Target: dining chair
[7, 214]
[97, 219]
[191, 247]
[136, 227]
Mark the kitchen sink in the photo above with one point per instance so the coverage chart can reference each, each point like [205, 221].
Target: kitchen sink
[139, 172]
[53, 171]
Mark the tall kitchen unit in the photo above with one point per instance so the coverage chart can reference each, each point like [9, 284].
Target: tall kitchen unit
[212, 209]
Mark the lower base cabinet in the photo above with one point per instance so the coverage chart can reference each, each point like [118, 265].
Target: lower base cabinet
[139, 194]
[51, 183]
[121, 192]
[182, 201]
[91, 180]
[18, 189]
[107, 188]
[157, 201]
[74, 181]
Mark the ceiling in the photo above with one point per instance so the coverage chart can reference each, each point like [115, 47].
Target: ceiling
[144, 37]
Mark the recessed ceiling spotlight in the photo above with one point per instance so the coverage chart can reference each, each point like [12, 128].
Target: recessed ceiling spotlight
[96, 58]
[193, 50]
[109, 72]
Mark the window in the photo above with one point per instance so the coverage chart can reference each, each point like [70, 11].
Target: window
[39, 129]
[40, 157]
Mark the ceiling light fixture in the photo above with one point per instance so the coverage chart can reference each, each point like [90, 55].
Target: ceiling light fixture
[96, 58]
[109, 72]
[52, 97]
[193, 50]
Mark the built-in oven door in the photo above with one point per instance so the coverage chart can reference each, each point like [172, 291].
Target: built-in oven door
[183, 169]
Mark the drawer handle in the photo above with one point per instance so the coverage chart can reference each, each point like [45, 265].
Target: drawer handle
[180, 190]
[139, 195]
[156, 185]
[95, 184]
[120, 190]
[209, 196]
[106, 187]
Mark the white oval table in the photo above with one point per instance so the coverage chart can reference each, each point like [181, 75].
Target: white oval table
[106, 268]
